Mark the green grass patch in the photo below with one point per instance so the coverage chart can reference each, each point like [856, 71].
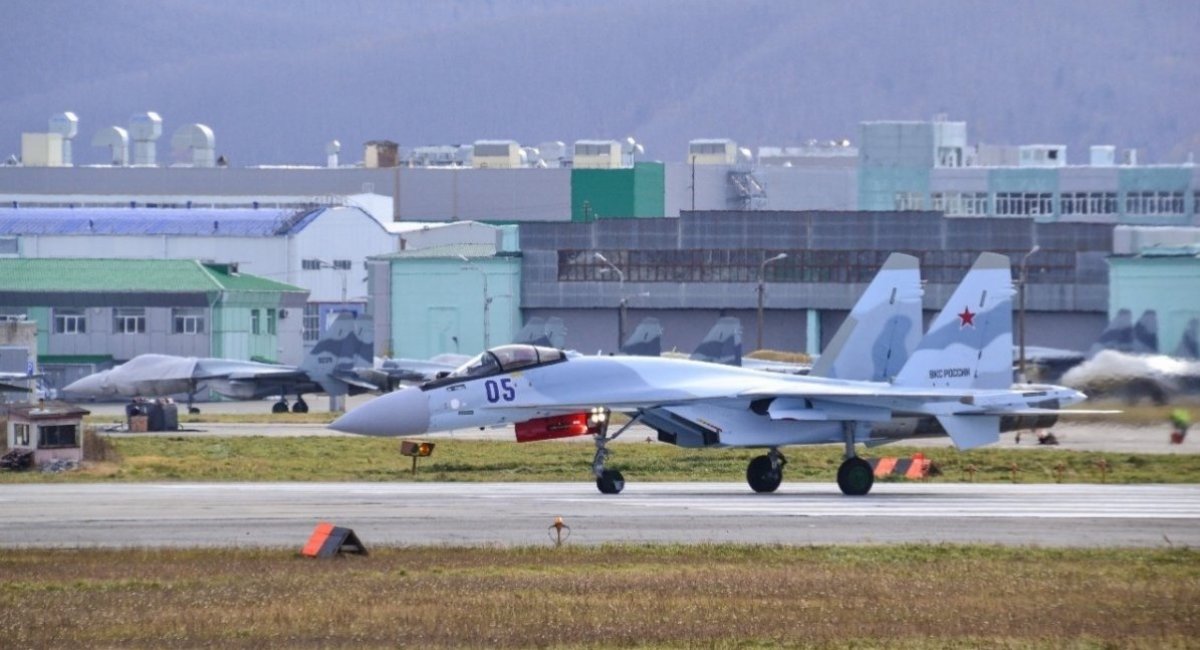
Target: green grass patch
[722, 596]
[319, 458]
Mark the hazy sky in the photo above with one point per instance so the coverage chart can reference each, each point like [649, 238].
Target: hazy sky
[276, 80]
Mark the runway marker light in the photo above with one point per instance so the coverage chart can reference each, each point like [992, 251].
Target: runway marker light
[416, 449]
[558, 527]
[970, 470]
[1013, 469]
[1102, 465]
[1060, 469]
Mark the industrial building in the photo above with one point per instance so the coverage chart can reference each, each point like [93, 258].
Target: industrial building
[688, 271]
[321, 249]
[93, 312]
[685, 240]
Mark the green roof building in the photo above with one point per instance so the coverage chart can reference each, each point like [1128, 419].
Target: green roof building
[97, 308]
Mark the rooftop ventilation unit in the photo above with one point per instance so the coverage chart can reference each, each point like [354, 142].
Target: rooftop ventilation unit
[146, 129]
[199, 141]
[65, 124]
[117, 141]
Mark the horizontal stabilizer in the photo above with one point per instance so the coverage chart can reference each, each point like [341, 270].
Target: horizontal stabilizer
[970, 431]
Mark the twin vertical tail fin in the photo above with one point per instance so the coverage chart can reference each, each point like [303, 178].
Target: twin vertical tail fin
[969, 344]
[883, 328]
[1189, 344]
[722, 344]
[546, 332]
[646, 340]
[348, 343]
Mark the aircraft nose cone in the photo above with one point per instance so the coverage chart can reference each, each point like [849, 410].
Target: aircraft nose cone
[402, 413]
[90, 385]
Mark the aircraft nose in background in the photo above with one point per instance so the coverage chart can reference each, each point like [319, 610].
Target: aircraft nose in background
[90, 385]
[402, 413]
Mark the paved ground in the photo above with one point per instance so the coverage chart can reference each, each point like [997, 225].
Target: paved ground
[283, 514]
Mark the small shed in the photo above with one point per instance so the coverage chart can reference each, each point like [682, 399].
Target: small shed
[52, 431]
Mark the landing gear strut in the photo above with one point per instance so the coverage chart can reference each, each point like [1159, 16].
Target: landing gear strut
[855, 476]
[608, 481]
[765, 473]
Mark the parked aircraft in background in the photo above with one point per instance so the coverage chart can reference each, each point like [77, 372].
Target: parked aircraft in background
[960, 375]
[646, 339]
[16, 382]
[1126, 364]
[328, 368]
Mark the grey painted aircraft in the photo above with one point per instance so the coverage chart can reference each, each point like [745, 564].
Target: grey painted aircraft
[1126, 363]
[959, 375]
[327, 368]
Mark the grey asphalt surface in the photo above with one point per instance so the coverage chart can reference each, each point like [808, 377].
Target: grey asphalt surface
[284, 514]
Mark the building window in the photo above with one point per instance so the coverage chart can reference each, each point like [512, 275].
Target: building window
[310, 265]
[975, 203]
[271, 322]
[312, 322]
[910, 201]
[57, 435]
[1102, 203]
[9, 246]
[12, 314]
[343, 265]
[20, 434]
[187, 320]
[254, 322]
[70, 321]
[129, 320]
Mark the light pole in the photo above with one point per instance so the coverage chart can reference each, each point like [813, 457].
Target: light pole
[762, 268]
[622, 303]
[1021, 377]
[487, 302]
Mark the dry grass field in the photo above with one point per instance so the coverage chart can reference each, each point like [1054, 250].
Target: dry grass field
[627, 596]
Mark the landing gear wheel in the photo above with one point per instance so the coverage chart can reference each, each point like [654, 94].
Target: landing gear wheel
[763, 475]
[855, 477]
[279, 407]
[610, 482]
[193, 410]
[300, 406]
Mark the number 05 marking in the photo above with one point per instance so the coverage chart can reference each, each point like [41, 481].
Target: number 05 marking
[504, 389]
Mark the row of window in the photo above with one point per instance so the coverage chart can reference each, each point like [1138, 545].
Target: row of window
[1047, 203]
[316, 264]
[800, 266]
[132, 320]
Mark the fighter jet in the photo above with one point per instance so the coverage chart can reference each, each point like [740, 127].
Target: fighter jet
[960, 376]
[328, 368]
[1126, 363]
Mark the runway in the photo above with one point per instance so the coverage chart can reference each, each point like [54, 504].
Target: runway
[283, 514]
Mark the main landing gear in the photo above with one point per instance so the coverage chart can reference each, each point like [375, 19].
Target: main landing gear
[855, 476]
[608, 481]
[300, 406]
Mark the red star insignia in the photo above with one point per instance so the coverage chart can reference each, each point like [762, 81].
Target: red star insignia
[966, 318]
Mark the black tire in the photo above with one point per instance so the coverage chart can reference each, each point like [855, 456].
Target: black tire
[855, 477]
[194, 411]
[279, 407]
[761, 476]
[610, 482]
[300, 406]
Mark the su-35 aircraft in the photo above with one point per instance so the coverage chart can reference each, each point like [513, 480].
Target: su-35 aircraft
[878, 381]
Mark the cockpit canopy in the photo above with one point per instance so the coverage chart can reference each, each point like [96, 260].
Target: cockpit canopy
[506, 358]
